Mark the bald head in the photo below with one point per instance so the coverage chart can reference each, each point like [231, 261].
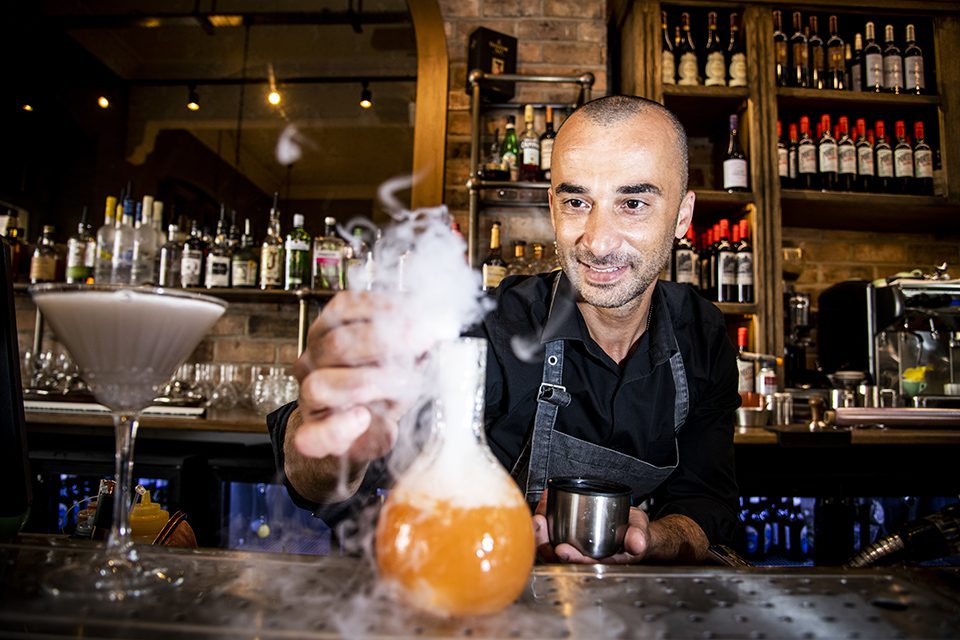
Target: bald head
[611, 111]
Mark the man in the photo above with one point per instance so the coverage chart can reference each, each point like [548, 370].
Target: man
[637, 382]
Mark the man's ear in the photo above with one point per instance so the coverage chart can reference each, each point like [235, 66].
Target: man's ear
[685, 215]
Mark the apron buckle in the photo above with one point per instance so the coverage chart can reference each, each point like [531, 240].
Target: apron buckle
[555, 394]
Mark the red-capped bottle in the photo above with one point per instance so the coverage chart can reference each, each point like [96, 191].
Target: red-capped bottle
[806, 157]
[922, 162]
[883, 155]
[827, 156]
[744, 263]
[846, 157]
[726, 266]
[865, 167]
[902, 160]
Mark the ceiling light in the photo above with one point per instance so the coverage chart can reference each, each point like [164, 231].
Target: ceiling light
[27, 106]
[221, 20]
[193, 99]
[103, 102]
[274, 97]
[366, 97]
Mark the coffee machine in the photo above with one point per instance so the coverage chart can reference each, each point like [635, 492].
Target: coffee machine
[797, 325]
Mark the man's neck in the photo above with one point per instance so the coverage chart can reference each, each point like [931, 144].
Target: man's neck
[618, 330]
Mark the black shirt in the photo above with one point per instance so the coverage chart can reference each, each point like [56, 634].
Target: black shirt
[629, 408]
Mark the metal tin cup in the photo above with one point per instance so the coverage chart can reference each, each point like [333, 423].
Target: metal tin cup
[782, 407]
[589, 514]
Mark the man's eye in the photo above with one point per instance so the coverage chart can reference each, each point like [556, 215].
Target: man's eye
[575, 203]
[634, 204]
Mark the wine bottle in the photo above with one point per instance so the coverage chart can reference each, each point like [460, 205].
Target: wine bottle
[856, 64]
[836, 60]
[883, 159]
[818, 57]
[725, 274]
[892, 63]
[783, 158]
[706, 264]
[902, 160]
[714, 66]
[846, 157]
[529, 148]
[827, 157]
[806, 157]
[510, 149]
[780, 49]
[736, 57]
[546, 146]
[872, 63]
[792, 158]
[494, 267]
[800, 54]
[865, 167]
[668, 67]
[734, 161]
[689, 68]
[744, 263]
[684, 259]
[913, 64]
[922, 162]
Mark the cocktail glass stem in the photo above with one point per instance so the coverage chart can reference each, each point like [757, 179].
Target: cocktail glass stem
[119, 542]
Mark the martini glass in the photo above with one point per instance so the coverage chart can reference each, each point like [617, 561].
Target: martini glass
[128, 342]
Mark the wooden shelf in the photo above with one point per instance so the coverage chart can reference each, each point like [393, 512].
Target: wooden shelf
[873, 211]
[700, 91]
[714, 204]
[737, 308]
[803, 98]
[231, 294]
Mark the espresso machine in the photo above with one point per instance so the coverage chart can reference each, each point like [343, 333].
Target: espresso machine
[798, 325]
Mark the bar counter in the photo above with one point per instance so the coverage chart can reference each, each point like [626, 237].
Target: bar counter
[228, 594]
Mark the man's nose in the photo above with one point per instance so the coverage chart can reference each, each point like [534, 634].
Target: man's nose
[601, 235]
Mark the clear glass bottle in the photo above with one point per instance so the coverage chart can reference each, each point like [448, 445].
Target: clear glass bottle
[121, 266]
[218, 259]
[529, 148]
[81, 253]
[243, 272]
[456, 505]
[297, 256]
[43, 264]
[328, 258]
[271, 251]
[192, 258]
[145, 244]
[169, 272]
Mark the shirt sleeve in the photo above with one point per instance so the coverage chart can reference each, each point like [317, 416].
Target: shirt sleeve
[704, 487]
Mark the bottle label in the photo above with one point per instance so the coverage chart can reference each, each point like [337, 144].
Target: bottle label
[835, 60]
[892, 72]
[716, 70]
[738, 69]
[855, 76]
[685, 271]
[766, 381]
[668, 67]
[493, 275]
[923, 163]
[190, 266]
[688, 69]
[913, 72]
[807, 160]
[744, 268]
[76, 253]
[884, 163]
[509, 161]
[903, 163]
[296, 244]
[43, 268]
[783, 162]
[780, 53]
[801, 55]
[745, 385]
[792, 163]
[819, 64]
[329, 266]
[865, 161]
[530, 152]
[828, 157]
[728, 268]
[244, 273]
[169, 269]
[874, 71]
[735, 174]
[848, 158]
[546, 154]
[271, 269]
[218, 271]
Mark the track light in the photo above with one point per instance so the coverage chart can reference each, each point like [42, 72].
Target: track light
[193, 99]
[103, 102]
[366, 98]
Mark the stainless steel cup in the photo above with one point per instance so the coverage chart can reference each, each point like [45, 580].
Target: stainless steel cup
[589, 514]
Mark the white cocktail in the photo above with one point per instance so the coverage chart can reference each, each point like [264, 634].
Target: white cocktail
[128, 342]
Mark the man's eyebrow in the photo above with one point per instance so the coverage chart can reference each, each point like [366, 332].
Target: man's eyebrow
[645, 187]
[566, 187]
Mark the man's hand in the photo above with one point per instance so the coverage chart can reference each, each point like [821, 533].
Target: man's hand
[673, 538]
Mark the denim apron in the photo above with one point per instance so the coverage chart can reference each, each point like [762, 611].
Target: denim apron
[550, 453]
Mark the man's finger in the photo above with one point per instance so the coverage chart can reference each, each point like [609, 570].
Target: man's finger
[350, 306]
[355, 344]
[348, 386]
[332, 435]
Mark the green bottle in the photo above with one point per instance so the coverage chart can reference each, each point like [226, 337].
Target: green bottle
[297, 264]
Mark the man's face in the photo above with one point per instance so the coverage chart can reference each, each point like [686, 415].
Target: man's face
[614, 198]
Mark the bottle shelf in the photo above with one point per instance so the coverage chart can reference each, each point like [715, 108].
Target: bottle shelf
[874, 211]
[231, 294]
[794, 97]
[701, 91]
[713, 203]
[506, 184]
[737, 308]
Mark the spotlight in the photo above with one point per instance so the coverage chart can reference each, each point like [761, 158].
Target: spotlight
[193, 99]
[366, 98]
[103, 102]
[27, 106]
[274, 97]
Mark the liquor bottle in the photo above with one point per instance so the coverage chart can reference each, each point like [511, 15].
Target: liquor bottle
[243, 264]
[43, 263]
[736, 57]
[892, 63]
[792, 176]
[780, 49]
[14, 243]
[192, 258]
[494, 267]
[846, 158]
[684, 260]
[529, 148]
[806, 157]
[233, 236]
[707, 289]
[668, 67]
[725, 273]
[883, 160]
[688, 68]
[271, 251]
[510, 149]
[518, 266]
[121, 266]
[82, 253]
[297, 269]
[872, 63]
[827, 157]
[714, 65]
[865, 166]
[783, 158]
[856, 64]
[492, 167]
[922, 162]
[218, 259]
[538, 262]
[144, 269]
[734, 161]
[797, 537]
[744, 366]
[836, 60]
[169, 273]
[800, 54]
[546, 146]
[744, 263]
[328, 258]
[913, 64]
[818, 57]
[902, 160]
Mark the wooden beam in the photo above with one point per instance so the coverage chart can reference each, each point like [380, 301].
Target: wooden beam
[430, 128]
